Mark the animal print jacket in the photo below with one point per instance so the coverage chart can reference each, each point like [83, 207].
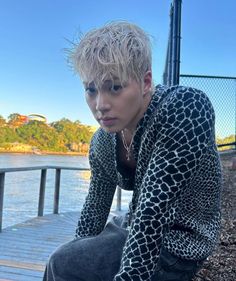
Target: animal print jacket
[176, 188]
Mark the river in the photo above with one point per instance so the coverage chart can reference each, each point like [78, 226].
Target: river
[22, 188]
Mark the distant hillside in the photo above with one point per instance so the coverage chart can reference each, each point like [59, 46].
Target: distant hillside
[226, 140]
[35, 136]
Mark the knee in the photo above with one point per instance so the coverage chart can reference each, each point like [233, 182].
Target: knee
[54, 262]
[68, 263]
[59, 260]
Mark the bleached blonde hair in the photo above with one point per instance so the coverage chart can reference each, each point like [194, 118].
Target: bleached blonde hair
[118, 50]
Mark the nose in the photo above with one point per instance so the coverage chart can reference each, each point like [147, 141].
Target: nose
[102, 102]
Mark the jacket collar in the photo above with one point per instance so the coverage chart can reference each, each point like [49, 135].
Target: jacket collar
[143, 123]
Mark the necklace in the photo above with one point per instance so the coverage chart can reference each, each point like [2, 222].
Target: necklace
[127, 147]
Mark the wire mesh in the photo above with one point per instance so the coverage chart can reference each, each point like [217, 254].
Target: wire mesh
[222, 93]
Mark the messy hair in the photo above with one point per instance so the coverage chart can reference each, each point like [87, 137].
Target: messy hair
[118, 50]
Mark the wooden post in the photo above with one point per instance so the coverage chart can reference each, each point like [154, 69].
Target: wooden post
[2, 181]
[42, 192]
[234, 163]
[57, 191]
[118, 198]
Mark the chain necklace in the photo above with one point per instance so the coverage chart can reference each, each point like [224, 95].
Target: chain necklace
[127, 147]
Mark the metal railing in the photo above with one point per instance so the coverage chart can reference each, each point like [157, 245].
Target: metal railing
[42, 187]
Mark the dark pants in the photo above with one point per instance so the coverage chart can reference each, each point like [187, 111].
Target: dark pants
[97, 258]
[172, 268]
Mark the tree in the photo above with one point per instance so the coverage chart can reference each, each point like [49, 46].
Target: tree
[228, 139]
[2, 121]
[42, 136]
[13, 120]
[73, 132]
[8, 135]
[62, 135]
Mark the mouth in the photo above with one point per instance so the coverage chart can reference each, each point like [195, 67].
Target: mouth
[107, 121]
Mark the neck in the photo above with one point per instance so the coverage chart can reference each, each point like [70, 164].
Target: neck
[133, 125]
[128, 135]
[127, 145]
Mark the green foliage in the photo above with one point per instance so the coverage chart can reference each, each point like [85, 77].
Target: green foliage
[226, 140]
[41, 136]
[61, 136]
[2, 121]
[73, 132]
[8, 134]
[13, 119]
[13, 116]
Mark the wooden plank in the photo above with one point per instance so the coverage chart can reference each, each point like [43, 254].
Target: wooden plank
[24, 265]
[25, 259]
[11, 274]
[25, 247]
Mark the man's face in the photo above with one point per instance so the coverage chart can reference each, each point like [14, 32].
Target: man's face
[116, 107]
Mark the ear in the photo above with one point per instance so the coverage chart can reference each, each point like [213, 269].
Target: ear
[147, 82]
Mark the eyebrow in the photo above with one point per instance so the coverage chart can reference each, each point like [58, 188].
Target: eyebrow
[90, 84]
[106, 82]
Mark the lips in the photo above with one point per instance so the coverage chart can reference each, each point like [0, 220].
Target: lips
[107, 121]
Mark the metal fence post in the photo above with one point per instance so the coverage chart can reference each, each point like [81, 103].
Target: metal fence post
[235, 113]
[42, 192]
[118, 204]
[2, 181]
[57, 191]
[176, 42]
[42, 187]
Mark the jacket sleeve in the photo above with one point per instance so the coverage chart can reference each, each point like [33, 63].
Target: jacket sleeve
[184, 131]
[102, 187]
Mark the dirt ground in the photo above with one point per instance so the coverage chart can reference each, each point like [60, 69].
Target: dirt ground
[221, 266]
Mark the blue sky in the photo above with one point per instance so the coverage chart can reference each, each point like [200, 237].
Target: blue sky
[34, 76]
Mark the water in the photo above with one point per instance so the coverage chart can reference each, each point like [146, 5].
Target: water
[22, 188]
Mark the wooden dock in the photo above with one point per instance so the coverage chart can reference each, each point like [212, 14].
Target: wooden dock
[25, 247]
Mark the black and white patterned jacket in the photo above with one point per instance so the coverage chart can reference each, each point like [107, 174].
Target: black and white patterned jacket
[177, 184]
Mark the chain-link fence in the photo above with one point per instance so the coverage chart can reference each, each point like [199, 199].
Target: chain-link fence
[222, 93]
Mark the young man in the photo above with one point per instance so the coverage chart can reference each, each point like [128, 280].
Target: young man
[158, 142]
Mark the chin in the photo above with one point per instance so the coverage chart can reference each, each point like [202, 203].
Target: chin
[111, 129]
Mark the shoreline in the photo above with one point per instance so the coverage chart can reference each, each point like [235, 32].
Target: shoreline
[44, 153]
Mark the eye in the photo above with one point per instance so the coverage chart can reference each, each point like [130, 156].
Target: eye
[90, 91]
[116, 88]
